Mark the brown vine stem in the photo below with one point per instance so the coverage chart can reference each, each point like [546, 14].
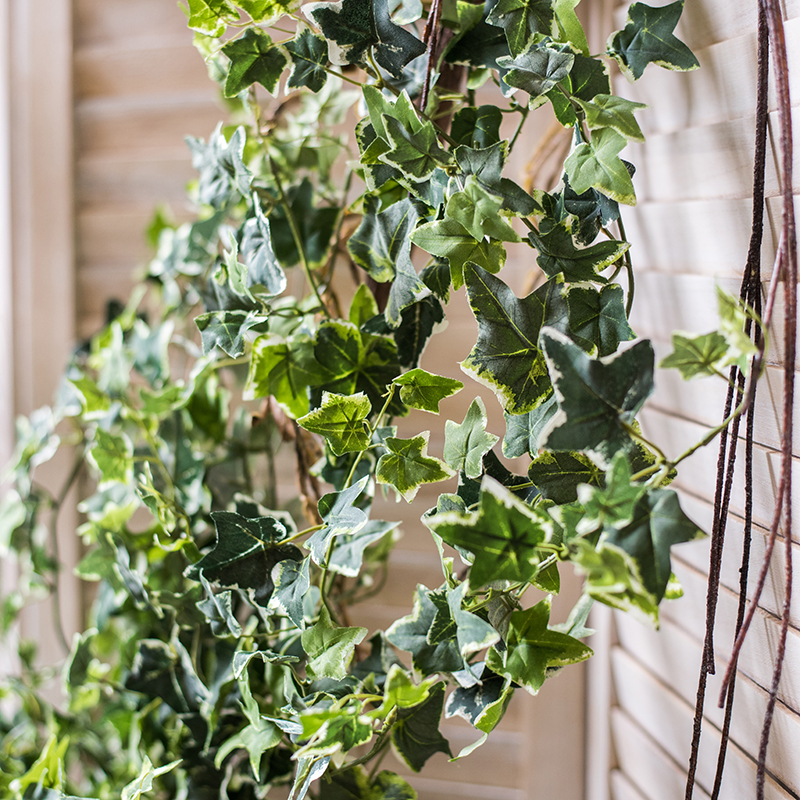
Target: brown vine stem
[431, 39]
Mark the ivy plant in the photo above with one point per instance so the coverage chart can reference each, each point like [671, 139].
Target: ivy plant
[219, 658]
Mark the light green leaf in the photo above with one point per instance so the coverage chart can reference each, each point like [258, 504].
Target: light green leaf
[504, 534]
[113, 456]
[533, 648]
[400, 691]
[567, 27]
[473, 634]
[416, 154]
[424, 390]
[329, 648]
[732, 319]
[210, 17]
[342, 421]
[597, 165]
[610, 111]
[697, 355]
[268, 11]
[478, 211]
[254, 59]
[143, 783]
[348, 552]
[256, 738]
[647, 38]
[465, 444]
[407, 466]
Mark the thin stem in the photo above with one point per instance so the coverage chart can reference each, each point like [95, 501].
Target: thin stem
[298, 240]
[628, 267]
[523, 110]
[372, 429]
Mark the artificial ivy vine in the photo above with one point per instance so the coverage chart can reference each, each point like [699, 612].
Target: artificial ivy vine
[220, 659]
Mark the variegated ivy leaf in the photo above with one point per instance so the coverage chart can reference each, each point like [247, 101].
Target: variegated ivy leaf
[224, 329]
[333, 730]
[265, 277]
[245, 551]
[308, 770]
[648, 38]
[348, 552]
[292, 581]
[268, 11]
[223, 174]
[113, 456]
[341, 420]
[597, 319]
[330, 648]
[609, 504]
[567, 27]
[407, 466]
[449, 239]
[352, 27]
[416, 735]
[465, 444]
[478, 211]
[558, 475]
[341, 515]
[558, 255]
[587, 78]
[610, 111]
[143, 782]
[521, 19]
[401, 109]
[477, 127]
[537, 70]
[598, 399]
[415, 153]
[482, 705]
[253, 59]
[424, 390]
[309, 54]
[218, 610]
[401, 692]
[473, 633]
[504, 534]
[523, 431]
[506, 357]
[210, 17]
[732, 320]
[533, 648]
[597, 165]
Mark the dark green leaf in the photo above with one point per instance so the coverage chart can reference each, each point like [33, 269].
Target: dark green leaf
[557, 475]
[244, 554]
[407, 466]
[597, 318]
[224, 329]
[482, 705]
[477, 127]
[521, 19]
[597, 398]
[648, 38]
[478, 211]
[416, 734]
[254, 59]
[533, 648]
[466, 444]
[329, 648]
[523, 431]
[415, 153]
[505, 535]
[417, 324]
[537, 70]
[309, 54]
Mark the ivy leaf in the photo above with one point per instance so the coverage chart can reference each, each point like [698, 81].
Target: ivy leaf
[348, 554]
[218, 610]
[381, 236]
[341, 516]
[416, 735]
[265, 278]
[210, 17]
[523, 431]
[284, 368]
[658, 523]
[558, 254]
[407, 465]
[648, 38]
[567, 27]
[482, 705]
[339, 345]
[696, 355]
[410, 633]
[597, 319]
[597, 165]
[330, 649]
[407, 288]
[245, 551]
[267, 11]
[536, 70]
[610, 506]
[256, 738]
[478, 211]
[292, 581]
[223, 174]
[342, 421]
[254, 59]
[415, 153]
[466, 444]
[224, 329]
[610, 111]
[309, 54]
[587, 78]
[473, 634]
[113, 456]
[597, 398]
[533, 648]
[449, 239]
[333, 730]
[477, 127]
[308, 770]
[590, 210]
[506, 357]
[417, 324]
[557, 475]
[521, 19]
[505, 535]
[732, 319]
[424, 390]
[143, 782]
[353, 26]
[401, 692]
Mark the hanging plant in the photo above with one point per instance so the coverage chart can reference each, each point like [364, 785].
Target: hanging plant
[220, 659]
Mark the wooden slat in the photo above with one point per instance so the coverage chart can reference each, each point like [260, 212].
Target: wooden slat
[622, 788]
[113, 21]
[666, 718]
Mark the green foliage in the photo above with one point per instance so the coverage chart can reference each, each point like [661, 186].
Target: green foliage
[218, 657]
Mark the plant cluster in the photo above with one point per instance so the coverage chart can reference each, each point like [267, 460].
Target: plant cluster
[220, 660]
